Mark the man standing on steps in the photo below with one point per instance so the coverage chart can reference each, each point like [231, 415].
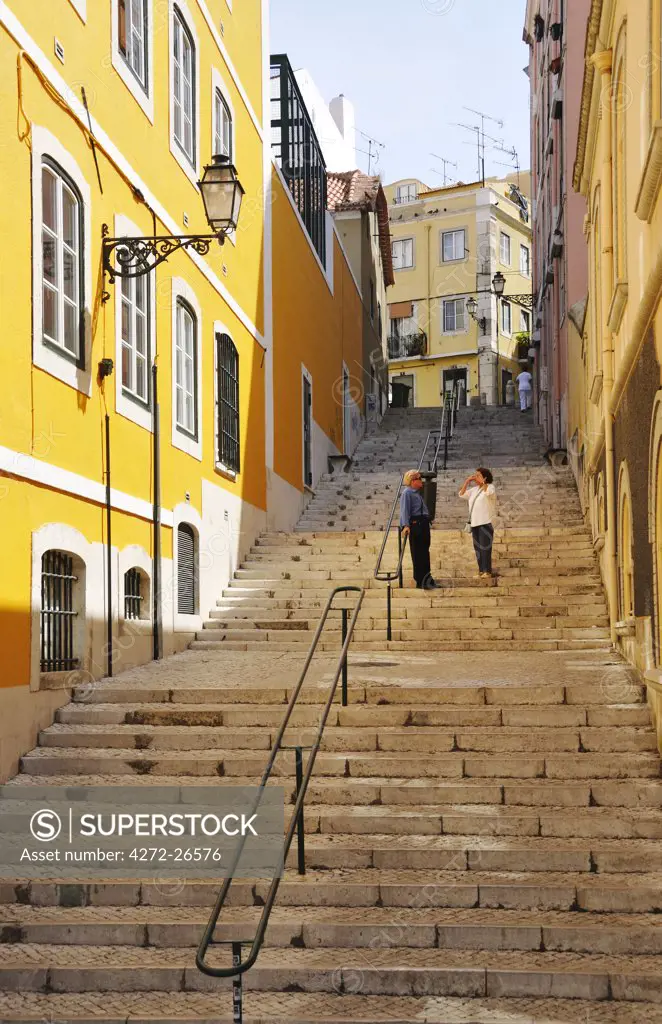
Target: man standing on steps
[524, 382]
[415, 524]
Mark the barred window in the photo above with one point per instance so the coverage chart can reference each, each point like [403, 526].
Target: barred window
[227, 387]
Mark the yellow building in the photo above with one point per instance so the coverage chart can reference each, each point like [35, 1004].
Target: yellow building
[615, 374]
[448, 243]
[131, 490]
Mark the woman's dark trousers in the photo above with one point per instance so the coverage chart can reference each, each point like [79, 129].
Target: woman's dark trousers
[483, 538]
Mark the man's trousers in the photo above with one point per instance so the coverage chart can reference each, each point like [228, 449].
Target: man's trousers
[419, 545]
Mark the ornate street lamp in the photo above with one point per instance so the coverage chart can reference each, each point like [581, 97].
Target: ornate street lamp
[498, 287]
[498, 284]
[222, 195]
[472, 310]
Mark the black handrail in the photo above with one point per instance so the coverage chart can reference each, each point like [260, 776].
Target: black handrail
[238, 968]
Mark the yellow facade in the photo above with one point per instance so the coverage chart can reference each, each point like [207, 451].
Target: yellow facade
[450, 241]
[615, 377]
[125, 171]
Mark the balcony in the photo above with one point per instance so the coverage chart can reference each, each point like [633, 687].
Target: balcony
[407, 346]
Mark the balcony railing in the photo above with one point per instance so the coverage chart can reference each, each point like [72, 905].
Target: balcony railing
[408, 345]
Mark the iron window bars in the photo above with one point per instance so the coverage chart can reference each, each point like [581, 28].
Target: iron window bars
[132, 594]
[298, 151]
[227, 369]
[57, 612]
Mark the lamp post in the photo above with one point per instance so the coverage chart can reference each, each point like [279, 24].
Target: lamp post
[498, 287]
[222, 195]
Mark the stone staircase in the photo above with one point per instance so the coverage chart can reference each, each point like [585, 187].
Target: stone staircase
[482, 826]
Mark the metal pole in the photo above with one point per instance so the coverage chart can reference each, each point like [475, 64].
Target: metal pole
[109, 559]
[301, 832]
[156, 519]
[344, 664]
[237, 986]
[389, 632]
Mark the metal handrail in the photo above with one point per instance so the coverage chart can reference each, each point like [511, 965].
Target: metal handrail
[239, 968]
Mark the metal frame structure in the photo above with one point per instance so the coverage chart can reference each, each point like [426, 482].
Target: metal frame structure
[298, 152]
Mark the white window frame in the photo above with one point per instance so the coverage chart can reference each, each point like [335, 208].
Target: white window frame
[505, 305]
[181, 290]
[524, 315]
[400, 241]
[222, 328]
[408, 186]
[46, 356]
[126, 405]
[143, 95]
[453, 232]
[218, 85]
[80, 7]
[463, 306]
[179, 9]
[505, 237]
[522, 249]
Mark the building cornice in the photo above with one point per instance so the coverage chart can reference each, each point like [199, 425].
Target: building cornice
[592, 31]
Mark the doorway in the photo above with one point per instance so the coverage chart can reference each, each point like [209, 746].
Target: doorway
[402, 391]
[307, 431]
[450, 377]
[506, 377]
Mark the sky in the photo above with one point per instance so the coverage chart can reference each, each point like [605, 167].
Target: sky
[411, 67]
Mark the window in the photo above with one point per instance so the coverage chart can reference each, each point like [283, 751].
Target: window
[524, 321]
[62, 247]
[406, 193]
[187, 572]
[135, 337]
[132, 36]
[58, 584]
[227, 385]
[372, 300]
[186, 370]
[504, 249]
[506, 317]
[183, 87]
[134, 586]
[452, 245]
[454, 316]
[524, 260]
[222, 126]
[402, 250]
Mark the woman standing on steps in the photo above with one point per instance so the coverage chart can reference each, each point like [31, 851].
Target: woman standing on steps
[480, 493]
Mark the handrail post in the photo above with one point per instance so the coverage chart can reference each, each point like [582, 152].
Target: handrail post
[344, 663]
[389, 631]
[301, 830]
[237, 986]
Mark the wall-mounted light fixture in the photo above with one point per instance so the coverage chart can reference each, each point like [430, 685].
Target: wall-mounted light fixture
[222, 195]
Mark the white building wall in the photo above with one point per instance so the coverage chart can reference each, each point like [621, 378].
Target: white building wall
[339, 149]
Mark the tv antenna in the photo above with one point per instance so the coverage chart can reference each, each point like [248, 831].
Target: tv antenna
[514, 156]
[445, 163]
[482, 136]
[374, 145]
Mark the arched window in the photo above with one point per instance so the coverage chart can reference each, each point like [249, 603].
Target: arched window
[59, 608]
[187, 570]
[227, 387]
[625, 557]
[184, 86]
[186, 370]
[222, 126]
[62, 248]
[136, 594]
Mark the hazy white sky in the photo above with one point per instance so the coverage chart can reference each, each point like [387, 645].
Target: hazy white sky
[410, 67]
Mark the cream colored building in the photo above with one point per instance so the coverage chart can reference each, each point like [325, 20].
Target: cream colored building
[447, 245]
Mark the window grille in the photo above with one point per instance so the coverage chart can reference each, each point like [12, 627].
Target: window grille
[57, 612]
[227, 384]
[186, 570]
[133, 594]
[298, 152]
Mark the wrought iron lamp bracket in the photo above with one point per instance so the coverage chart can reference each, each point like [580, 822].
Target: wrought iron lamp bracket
[137, 256]
[520, 300]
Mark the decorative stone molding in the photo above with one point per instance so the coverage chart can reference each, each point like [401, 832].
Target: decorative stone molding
[651, 177]
[617, 307]
[596, 388]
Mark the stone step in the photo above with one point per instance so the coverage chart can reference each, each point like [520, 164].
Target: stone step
[433, 929]
[505, 974]
[384, 738]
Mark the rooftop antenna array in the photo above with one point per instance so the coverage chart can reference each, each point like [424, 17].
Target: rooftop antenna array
[372, 152]
[482, 136]
[445, 163]
[514, 156]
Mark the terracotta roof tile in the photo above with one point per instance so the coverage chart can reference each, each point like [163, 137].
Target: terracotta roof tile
[354, 190]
